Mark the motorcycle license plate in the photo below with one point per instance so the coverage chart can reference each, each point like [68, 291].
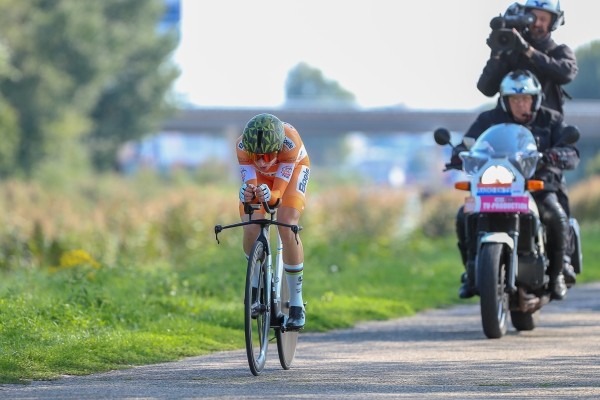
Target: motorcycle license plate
[494, 203]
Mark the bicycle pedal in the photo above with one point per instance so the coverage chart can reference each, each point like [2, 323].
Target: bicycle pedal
[257, 309]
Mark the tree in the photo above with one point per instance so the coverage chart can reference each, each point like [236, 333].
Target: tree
[587, 83]
[80, 66]
[307, 85]
[139, 84]
[8, 121]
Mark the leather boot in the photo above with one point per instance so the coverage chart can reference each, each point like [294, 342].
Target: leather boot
[467, 288]
[569, 272]
[558, 287]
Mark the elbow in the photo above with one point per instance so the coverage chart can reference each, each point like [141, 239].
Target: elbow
[487, 90]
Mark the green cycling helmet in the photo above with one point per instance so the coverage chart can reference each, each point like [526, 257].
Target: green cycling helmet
[263, 134]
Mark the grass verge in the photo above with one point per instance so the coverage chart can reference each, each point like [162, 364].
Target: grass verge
[83, 320]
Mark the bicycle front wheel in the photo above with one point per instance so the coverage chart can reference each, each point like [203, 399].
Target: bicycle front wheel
[257, 318]
[286, 340]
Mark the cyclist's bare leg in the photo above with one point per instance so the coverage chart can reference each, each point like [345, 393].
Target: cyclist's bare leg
[293, 262]
[250, 232]
[293, 252]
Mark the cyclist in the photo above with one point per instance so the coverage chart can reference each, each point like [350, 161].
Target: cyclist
[274, 165]
[520, 102]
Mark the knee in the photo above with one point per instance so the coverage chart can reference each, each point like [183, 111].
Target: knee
[558, 213]
[251, 231]
[288, 215]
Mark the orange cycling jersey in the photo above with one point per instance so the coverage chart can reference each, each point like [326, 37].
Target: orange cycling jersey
[286, 173]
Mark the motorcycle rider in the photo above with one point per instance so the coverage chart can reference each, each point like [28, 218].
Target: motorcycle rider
[520, 102]
[554, 65]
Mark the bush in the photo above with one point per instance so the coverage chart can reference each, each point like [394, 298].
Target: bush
[585, 200]
[439, 213]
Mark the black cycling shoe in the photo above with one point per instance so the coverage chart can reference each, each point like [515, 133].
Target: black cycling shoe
[296, 319]
[255, 304]
[255, 310]
[465, 291]
[570, 276]
[558, 288]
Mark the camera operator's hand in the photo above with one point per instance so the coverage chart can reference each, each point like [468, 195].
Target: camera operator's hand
[521, 44]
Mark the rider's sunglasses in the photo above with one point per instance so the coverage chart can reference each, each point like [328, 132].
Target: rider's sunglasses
[266, 157]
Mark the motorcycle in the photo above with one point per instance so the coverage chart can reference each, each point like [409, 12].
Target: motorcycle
[503, 221]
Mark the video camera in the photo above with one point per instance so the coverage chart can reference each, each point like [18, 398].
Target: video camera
[502, 36]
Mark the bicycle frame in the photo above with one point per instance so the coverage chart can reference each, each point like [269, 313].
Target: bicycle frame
[275, 277]
[264, 237]
[278, 281]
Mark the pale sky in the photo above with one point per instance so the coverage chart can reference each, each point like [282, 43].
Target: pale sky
[420, 54]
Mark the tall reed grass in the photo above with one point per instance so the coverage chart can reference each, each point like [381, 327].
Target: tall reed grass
[147, 220]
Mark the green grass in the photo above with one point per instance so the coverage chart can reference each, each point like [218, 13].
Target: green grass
[83, 320]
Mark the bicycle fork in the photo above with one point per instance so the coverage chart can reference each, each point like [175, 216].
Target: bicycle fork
[277, 317]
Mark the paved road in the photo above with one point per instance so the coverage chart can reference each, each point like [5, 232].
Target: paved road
[439, 354]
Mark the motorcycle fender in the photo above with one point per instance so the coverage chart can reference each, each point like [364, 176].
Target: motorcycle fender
[498, 237]
[577, 257]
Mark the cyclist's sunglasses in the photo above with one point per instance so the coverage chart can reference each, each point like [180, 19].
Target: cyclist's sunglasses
[266, 157]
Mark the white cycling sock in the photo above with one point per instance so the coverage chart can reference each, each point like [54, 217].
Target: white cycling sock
[293, 276]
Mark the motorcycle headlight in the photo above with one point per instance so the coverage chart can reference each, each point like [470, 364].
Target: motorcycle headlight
[496, 174]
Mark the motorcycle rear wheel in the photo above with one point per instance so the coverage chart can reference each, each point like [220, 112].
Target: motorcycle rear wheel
[524, 321]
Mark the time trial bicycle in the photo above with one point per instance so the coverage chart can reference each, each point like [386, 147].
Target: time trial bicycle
[266, 298]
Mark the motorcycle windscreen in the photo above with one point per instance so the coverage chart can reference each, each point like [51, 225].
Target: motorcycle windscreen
[511, 141]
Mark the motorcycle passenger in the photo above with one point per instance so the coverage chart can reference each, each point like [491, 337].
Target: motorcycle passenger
[520, 102]
[554, 65]
[274, 165]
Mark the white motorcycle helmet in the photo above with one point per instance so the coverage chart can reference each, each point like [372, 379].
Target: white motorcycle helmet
[521, 81]
[551, 6]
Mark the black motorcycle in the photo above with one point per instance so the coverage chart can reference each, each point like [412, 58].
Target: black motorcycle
[509, 272]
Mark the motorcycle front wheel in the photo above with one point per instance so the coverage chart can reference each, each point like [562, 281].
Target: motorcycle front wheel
[491, 276]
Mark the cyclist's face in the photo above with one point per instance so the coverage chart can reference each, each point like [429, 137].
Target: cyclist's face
[264, 161]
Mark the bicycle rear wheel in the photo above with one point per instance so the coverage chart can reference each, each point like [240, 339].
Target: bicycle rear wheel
[257, 316]
[286, 340]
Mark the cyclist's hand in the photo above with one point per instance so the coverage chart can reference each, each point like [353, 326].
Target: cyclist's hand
[247, 193]
[263, 193]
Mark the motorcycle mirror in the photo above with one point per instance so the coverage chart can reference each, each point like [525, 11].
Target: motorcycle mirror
[569, 135]
[468, 142]
[442, 136]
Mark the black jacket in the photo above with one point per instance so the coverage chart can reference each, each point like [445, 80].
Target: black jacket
[554, 65]
[547, 129]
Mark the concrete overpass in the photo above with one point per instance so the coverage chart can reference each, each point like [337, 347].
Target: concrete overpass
[339, 121]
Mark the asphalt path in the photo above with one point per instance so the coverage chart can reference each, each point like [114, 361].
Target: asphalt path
[437, 354]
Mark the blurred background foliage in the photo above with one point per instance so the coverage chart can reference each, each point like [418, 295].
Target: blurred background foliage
[77, 79]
